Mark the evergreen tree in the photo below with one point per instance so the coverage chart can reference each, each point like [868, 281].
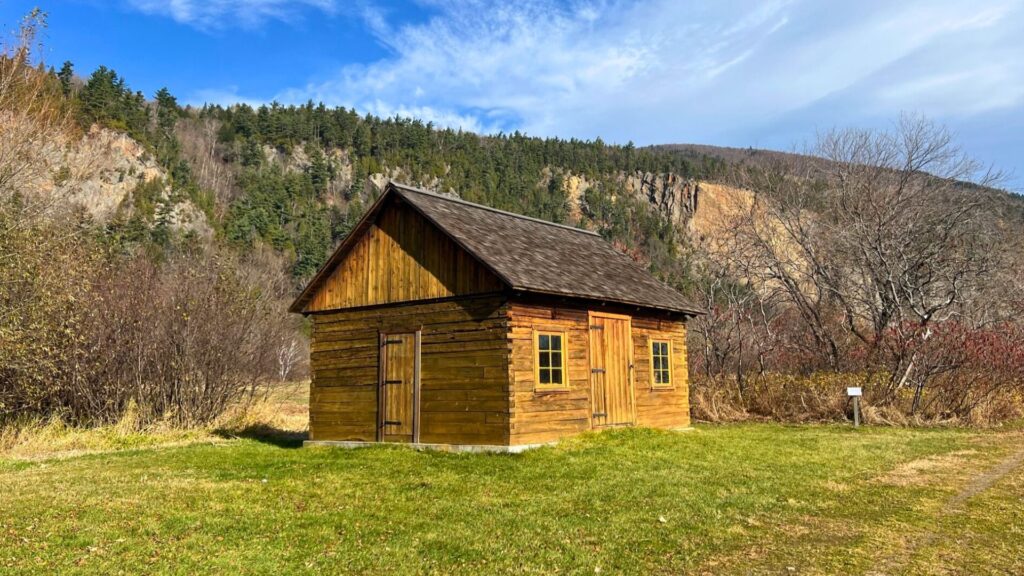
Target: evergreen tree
[319, 169]
[167, 113]
[66, 75]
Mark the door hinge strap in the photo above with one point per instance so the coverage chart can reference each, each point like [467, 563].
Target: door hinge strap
[597, 370]
[386, 342]
[600, 414]
[393, 381]
[392, 423]
[596, 327]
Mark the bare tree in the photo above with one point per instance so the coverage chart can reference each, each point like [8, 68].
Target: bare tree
[877, 238]
[905, 224]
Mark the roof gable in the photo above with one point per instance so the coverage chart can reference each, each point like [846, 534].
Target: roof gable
[527, 254]
[398, 256]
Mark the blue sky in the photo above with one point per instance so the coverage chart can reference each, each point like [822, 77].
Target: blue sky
[759, 73]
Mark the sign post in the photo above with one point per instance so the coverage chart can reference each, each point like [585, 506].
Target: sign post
[855, 392]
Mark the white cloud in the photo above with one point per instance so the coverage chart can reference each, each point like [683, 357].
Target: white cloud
[741, 73]
[216, 14]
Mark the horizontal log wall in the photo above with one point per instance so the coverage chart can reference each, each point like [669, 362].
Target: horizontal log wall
[464, 395]
[660, 407]
[544, 416]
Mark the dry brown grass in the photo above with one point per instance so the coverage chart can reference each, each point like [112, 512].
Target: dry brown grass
[821, 397]
[924, 471]
[281, 411]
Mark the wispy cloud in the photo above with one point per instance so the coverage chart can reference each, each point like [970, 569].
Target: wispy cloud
[741, 73]
[218, 14]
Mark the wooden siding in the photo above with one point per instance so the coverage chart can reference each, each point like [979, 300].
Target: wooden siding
[611, 378]
[660, 407]
[464, 396]
[401, 258]
[543, 416]
[398, 386]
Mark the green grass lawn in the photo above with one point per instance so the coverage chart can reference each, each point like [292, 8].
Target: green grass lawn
[721, 499]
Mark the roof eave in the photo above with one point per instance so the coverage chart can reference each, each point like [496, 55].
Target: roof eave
[619, 301]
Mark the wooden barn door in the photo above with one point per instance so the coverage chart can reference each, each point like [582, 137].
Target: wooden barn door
[398, 396]
[611, 369]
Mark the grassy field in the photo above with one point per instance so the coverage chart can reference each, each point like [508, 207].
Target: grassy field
[735, 499]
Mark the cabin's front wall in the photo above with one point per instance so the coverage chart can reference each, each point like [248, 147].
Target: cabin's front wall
[539, 416]
[464, 395]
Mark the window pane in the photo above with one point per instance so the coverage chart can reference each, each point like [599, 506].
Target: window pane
[556, 359]
[544, 342]
[545, 359]
[556, 376]
[556, 342]
[545, 375]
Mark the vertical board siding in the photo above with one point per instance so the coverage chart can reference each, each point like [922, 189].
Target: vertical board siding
[544, 416]
[398, 358]
[464, 396]
[402, 258]
[611, 386]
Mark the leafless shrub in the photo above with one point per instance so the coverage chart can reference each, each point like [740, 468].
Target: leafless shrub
[183, 340]
[878, 260]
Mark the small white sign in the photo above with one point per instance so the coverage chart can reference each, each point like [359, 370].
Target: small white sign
[854, 391]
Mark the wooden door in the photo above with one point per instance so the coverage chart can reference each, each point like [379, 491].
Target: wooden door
[611, 370]
[399, 387]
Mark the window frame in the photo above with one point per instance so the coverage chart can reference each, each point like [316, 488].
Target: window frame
[564, 384]
[655, 385]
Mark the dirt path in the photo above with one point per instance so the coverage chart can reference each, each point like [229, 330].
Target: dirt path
[984, 482]
[952, 507]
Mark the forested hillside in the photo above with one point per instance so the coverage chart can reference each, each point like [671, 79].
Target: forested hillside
[295, 178]
[150, 249]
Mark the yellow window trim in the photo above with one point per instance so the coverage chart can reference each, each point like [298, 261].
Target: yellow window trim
[651, 341]
[564, 385]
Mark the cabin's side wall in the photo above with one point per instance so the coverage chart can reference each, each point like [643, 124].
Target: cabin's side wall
[464, 395]
[666, 407]
[402, 258]
[544, 416]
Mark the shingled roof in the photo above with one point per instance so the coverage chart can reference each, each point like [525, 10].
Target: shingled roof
[530, 255]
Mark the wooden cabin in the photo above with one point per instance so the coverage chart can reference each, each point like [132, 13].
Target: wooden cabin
[442, 322]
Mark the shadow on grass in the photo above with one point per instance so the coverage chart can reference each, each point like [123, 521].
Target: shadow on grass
[267, 435]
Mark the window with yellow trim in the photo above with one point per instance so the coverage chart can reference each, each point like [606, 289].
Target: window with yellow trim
[661, 363]
[551, 360]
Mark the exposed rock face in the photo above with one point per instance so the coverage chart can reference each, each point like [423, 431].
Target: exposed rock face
[701, 209]
[101, 170]
[674, 196]
[110, 165]
[575, 187]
